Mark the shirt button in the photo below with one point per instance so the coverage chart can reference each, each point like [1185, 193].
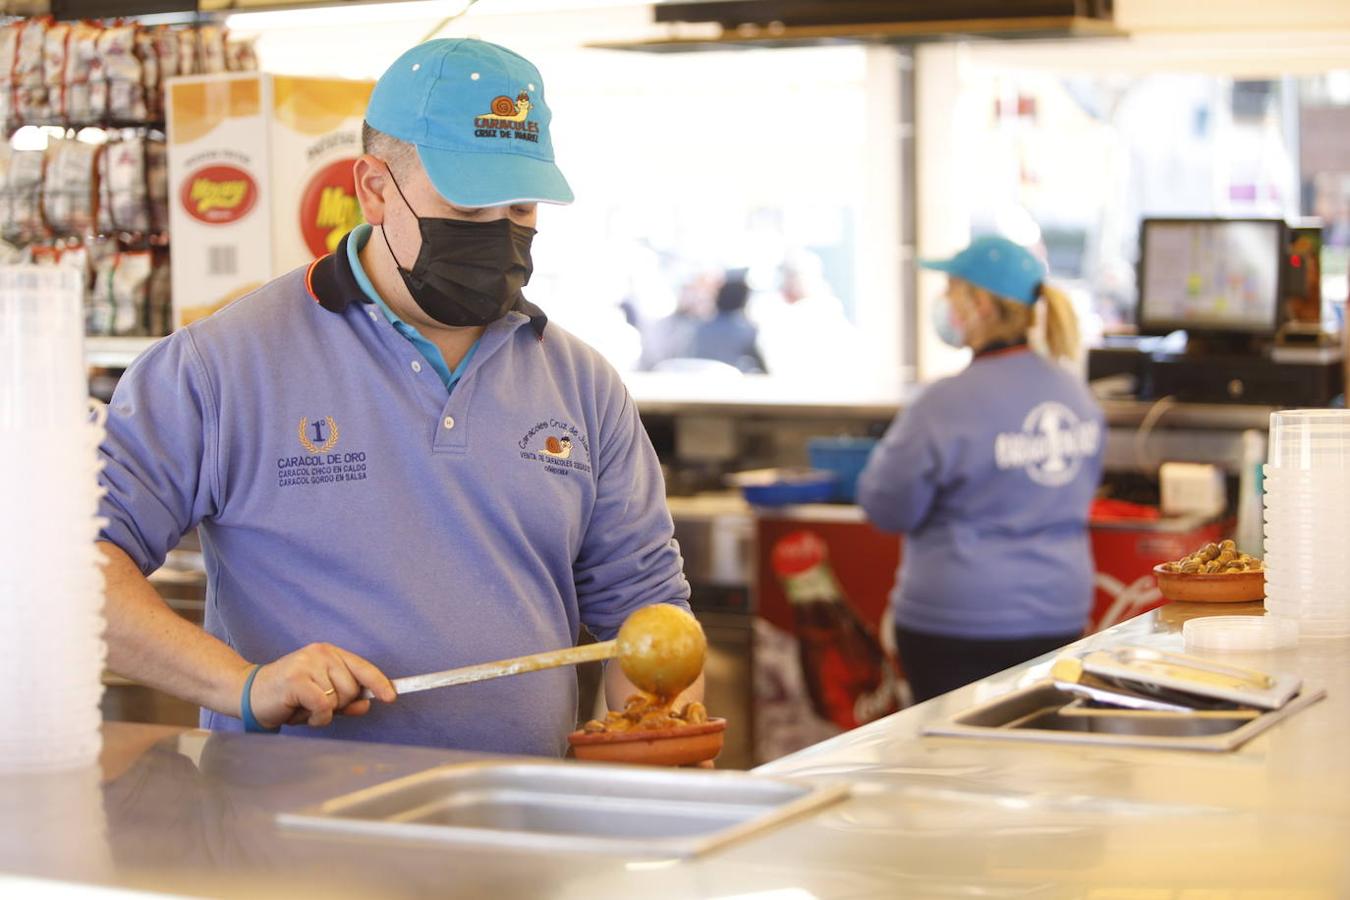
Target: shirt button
[416, 366]
[449, 421]
[374, 317]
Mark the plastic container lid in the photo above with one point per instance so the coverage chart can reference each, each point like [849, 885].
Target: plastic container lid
[1238, 633]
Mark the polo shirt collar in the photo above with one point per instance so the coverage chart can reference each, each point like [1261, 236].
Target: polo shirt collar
[332, 284]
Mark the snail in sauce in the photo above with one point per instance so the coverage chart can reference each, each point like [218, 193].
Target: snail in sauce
[661, 649]
[1215, 559]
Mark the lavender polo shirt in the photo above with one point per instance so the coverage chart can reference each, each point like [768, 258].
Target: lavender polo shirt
[344, 495]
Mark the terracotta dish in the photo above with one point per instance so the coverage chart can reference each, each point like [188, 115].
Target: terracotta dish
[683, 745]
[1231, 587]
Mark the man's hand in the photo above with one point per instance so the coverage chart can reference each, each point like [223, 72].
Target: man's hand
[313, 684]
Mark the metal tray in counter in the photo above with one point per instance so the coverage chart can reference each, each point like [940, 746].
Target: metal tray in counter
[571, 807]
[1043, 712]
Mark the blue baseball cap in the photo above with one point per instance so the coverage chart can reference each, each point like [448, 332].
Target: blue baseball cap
[997, 265]
[477, 115]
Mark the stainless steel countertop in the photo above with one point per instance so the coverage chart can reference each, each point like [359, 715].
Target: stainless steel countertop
[929, 817]
[807, 401]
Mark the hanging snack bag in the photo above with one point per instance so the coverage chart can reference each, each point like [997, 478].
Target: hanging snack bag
[160, 302]
[21, 195]
[188, 62]
[98, 307]
[211, 47]
[241, 54]
[148, 54]
[82, 68]
[168, 52]
[122, 74]
[30, 89]
[157, 183]
[123, 204]
[9, 55]
[56, 48]
[130, 292]
[68, 188]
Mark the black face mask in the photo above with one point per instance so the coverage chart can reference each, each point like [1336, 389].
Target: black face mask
[467, 273]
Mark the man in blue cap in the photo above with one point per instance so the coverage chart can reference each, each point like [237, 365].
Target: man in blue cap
[395, 464]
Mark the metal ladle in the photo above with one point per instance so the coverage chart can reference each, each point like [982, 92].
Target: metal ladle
[660, 647]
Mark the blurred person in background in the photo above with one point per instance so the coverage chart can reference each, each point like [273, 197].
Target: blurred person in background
[989, 475]
[803, 320]
[729, 336]
[672, 336]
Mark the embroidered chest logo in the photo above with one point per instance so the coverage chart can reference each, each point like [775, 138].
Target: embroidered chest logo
[322, 463]
[1050, 447]
[508, 119]
[328, 443]
[558, 446]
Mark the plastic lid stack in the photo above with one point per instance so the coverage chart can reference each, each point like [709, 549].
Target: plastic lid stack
[51, 585]
[1307, 554]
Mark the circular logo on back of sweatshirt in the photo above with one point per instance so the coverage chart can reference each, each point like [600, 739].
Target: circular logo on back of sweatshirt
[1051, 446]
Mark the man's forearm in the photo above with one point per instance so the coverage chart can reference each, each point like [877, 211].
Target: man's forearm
[149, 643]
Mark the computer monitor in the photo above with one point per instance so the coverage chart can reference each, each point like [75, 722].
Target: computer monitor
[1217, 276]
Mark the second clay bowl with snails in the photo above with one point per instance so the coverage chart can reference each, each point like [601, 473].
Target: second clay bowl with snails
[1216, 587]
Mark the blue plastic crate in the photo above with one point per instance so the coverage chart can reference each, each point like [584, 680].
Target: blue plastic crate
[845, 457]
[781, 487]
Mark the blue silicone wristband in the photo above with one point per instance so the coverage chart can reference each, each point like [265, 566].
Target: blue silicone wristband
[251, 724]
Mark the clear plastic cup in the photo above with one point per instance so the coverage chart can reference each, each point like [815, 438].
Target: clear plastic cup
[1310, 439]
[1318, 521]
[1325, 548]
[42, 373]
[1282, 545]
[1303, 611]
[1321, 492]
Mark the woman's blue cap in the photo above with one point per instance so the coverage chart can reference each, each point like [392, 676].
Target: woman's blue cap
[997, 265]
[476, 113]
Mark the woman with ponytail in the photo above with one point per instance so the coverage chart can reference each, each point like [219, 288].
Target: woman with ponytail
[989, 475]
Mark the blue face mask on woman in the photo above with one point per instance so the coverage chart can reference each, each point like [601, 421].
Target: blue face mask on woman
[946, 325]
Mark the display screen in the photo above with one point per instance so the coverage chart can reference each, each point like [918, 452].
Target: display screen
[1210, 274]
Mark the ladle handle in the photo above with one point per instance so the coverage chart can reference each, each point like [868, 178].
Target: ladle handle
[549, 659]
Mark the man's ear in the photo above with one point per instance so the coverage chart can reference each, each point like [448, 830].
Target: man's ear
[372, 179]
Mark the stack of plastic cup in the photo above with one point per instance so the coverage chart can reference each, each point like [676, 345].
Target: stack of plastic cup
[1307, 546]
[51, 585]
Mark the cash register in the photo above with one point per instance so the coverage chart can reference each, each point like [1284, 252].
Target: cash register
[1246, 292]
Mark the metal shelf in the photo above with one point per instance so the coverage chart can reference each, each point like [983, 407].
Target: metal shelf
[115, 352]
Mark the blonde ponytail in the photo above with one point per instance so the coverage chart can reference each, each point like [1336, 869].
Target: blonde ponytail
[1061, 323]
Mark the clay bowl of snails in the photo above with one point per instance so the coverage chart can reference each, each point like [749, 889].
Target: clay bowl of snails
[681, 745]
[1216, 573]
[1211, 587]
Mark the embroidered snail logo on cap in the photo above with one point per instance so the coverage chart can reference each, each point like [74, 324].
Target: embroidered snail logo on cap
[508, 119]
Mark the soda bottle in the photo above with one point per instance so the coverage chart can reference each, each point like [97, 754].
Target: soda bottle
[847, 675]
